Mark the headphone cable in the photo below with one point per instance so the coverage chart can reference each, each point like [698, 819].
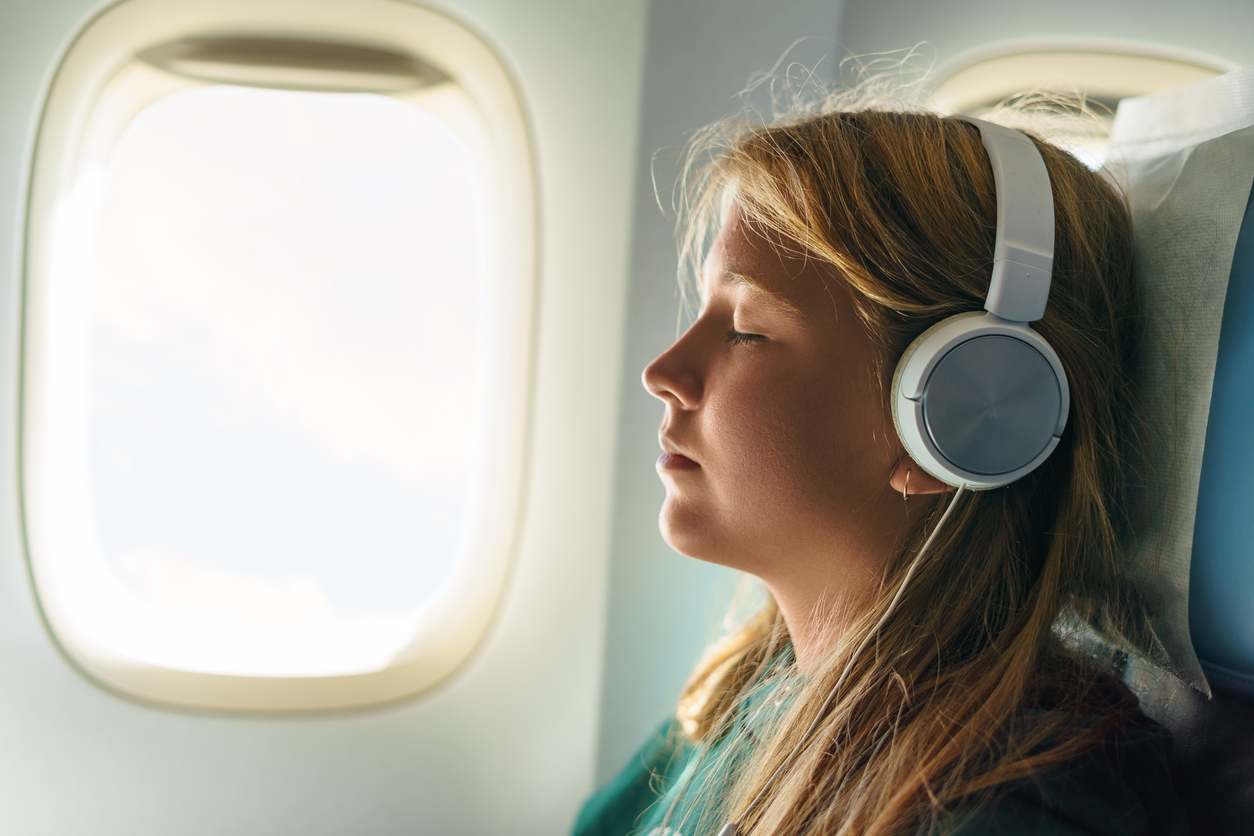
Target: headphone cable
[732, 828]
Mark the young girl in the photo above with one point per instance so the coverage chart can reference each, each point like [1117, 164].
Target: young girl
[906, 674]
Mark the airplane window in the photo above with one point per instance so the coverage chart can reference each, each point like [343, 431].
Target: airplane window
[1097, 72]
[284, 376]
[277, 348]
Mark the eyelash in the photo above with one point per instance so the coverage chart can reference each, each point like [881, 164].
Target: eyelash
[741, 338]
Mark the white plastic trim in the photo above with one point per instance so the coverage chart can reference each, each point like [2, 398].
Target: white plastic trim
[74, 132]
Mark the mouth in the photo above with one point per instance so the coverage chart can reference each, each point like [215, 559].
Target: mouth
[675, 461]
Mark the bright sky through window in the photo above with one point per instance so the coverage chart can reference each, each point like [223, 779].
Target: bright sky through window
[286, 367]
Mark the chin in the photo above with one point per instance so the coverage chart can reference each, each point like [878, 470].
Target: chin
[692, 534]
[683, 530]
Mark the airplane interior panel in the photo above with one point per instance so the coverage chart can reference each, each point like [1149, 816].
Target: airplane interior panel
[332, 496]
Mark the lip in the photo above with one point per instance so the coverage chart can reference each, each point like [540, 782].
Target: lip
[675, 461]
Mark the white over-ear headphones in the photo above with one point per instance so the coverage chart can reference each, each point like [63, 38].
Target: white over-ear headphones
[980, 399]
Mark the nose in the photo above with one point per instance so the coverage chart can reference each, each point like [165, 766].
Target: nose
[674, 376]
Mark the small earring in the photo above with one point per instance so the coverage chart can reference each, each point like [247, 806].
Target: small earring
[905, 489]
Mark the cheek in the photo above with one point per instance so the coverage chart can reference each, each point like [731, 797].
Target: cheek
[769, 435]
[806, 442]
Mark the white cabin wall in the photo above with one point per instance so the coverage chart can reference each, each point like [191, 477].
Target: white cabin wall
[662, 605]
[506, 745]
[1219, 28]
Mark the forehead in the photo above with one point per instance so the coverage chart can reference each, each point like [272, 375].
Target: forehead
[746, 257]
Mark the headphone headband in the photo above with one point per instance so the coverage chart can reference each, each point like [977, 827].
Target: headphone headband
[1023, 257]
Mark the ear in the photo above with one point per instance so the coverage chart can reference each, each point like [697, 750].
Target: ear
[921, 482]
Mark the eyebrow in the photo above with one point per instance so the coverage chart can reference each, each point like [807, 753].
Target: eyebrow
[734, 277]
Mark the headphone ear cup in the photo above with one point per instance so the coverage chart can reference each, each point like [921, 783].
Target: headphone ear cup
[991, 404]
[979, 401]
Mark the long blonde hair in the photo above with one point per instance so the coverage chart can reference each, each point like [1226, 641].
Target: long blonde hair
[936, 714]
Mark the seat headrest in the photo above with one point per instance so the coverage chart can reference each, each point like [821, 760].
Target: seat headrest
[1186, 160]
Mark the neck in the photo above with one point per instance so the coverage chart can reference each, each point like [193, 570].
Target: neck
[814, 626]
[823, 595]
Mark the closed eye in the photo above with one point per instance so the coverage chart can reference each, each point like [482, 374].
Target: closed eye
[741, 338]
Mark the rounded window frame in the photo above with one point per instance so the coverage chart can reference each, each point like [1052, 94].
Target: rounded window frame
[1100, 69]
[73, 128]
[1097, 72]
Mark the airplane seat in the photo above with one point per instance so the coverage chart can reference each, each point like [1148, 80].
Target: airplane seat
[1187, 160]
[1214, 739]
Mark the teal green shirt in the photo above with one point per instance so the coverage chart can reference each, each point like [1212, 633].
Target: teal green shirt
[651, 791]
[1118, 789]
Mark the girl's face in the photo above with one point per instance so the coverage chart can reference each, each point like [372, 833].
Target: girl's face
[778, 444]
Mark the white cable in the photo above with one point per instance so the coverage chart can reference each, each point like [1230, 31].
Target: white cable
[732, 828]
